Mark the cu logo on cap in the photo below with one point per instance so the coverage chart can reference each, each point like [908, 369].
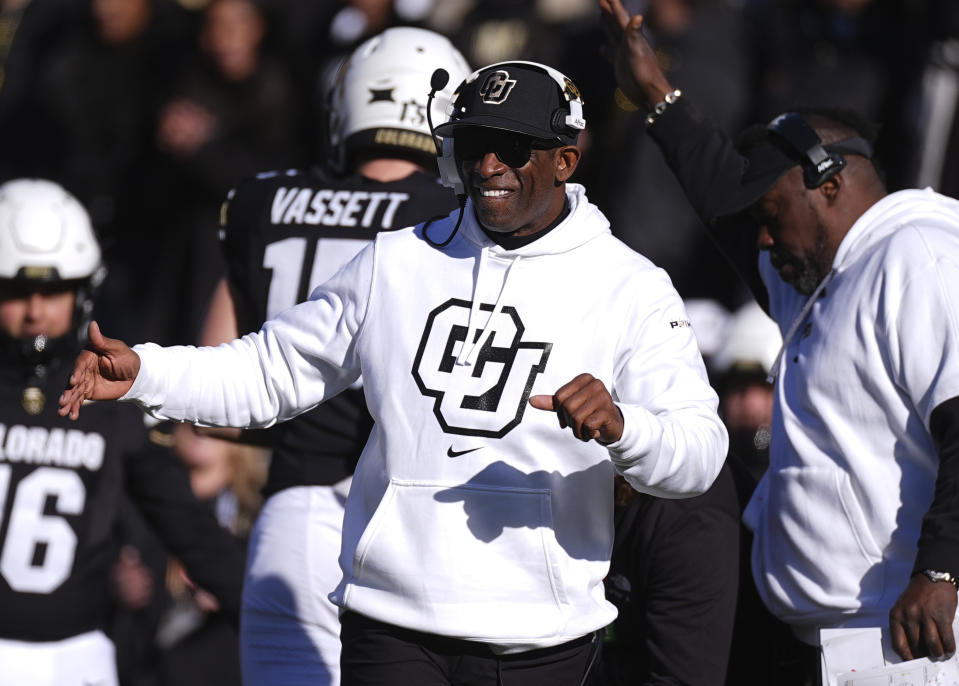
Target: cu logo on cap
[497, 88]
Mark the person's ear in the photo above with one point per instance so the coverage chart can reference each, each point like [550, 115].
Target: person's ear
[830, 188]
[566, 159]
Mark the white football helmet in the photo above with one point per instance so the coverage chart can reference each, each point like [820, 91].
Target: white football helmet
[751, 340]
[46, 234]
[379, 96]
[46, 237]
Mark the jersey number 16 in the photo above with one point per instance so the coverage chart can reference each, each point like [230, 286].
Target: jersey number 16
[38, 549]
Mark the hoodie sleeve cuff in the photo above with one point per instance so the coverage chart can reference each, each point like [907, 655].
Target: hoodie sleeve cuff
[640, 432]
[149, 388]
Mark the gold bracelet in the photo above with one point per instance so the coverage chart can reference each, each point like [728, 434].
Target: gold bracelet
[623, 102]
[661, 106]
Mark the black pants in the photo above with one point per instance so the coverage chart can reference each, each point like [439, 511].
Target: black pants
[379, 654]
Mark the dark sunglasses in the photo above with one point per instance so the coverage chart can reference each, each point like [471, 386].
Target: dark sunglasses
[512, 149]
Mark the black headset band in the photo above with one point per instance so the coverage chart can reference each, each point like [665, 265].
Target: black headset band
[819, 162]
[796, 132]
[851, 146]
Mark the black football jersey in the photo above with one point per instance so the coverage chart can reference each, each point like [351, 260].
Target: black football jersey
[61, 483]
[286, 233]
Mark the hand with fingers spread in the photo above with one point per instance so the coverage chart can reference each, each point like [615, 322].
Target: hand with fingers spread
[104, 372]
[920, 623]
[585, 406]
[638, 73]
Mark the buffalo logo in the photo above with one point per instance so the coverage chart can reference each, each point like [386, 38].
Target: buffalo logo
[33, 400]
[382, 95]
[571, 91]
[497, 88]
[488, 398]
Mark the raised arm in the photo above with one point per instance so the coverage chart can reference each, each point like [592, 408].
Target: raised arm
[640, 79]
[700, 154]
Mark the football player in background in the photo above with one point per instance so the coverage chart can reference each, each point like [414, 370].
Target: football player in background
[61, 482]
[284, 234]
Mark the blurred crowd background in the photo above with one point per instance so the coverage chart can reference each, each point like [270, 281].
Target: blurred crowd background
[149, 111]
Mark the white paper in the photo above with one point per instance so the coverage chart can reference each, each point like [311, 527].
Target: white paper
[844, 650]
[921, 672]
[853, 657]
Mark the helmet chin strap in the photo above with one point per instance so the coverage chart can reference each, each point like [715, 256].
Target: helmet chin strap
[37, 356]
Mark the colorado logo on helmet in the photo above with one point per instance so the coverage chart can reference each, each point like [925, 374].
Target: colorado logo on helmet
[489, 397]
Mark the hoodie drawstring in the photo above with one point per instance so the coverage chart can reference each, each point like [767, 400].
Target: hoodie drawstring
[471, 349]
[794, 327]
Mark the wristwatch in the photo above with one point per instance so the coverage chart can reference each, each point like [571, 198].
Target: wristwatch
[934, 576]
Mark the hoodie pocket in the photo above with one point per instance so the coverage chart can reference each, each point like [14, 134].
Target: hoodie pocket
[856, 516]
[478, 561]
[816, 549]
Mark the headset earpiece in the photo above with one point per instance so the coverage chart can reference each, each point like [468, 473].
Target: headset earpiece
[558, 122]
[446, 163]
[818, 164]
[445, 159]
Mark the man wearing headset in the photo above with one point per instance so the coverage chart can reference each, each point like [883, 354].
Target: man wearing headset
[477, 530]
[856, 522]
[285, 233]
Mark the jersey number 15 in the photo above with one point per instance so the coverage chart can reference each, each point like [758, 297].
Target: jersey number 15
[330, 254]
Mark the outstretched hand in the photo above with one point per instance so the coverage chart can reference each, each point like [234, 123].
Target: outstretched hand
[920, 623]
[104, 372]
[637, 69]
[586, 407]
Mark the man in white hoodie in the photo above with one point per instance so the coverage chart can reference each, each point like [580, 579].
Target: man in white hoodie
[477, 532]
[856, 521]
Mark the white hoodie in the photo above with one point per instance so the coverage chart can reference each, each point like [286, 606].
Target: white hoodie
[472, 514]
[837, 516]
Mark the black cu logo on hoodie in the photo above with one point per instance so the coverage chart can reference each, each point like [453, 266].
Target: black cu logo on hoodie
[487, 398]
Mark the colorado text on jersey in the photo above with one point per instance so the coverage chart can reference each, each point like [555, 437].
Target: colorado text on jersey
[57, 447]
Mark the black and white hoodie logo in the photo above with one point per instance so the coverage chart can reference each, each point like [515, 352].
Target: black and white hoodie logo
[487, 398]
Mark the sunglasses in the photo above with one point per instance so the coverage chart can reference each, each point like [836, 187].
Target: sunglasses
[512, 149]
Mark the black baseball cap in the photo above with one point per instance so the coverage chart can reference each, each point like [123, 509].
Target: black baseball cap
[523, 97]
[767, 157]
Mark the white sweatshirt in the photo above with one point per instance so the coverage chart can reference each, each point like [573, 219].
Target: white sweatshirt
[852, 470]
[472, 514]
